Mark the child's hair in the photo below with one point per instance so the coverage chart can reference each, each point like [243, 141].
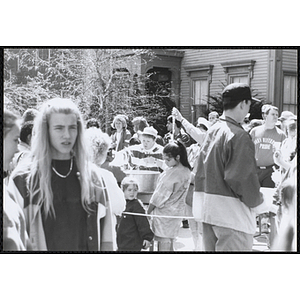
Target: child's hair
[172, 149]
[127, 181]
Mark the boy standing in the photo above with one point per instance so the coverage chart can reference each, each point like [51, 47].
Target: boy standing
[134, 231]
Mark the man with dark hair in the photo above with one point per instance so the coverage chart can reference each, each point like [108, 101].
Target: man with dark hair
[178, 133]
[227, 191]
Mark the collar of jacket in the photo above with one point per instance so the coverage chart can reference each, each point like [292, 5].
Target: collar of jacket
[232, 121]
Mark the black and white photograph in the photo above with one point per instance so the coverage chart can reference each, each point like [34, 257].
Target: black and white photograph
[150, 150]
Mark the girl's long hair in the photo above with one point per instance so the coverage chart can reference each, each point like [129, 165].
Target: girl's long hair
[177, 148]
[39, 179]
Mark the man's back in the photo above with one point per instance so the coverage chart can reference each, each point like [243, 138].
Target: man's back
[226, 176]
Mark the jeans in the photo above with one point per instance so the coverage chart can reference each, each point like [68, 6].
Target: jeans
[216, 238]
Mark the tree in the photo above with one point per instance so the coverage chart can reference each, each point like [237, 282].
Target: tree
[103, 82]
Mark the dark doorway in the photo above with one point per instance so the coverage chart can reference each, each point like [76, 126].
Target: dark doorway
[159, 86]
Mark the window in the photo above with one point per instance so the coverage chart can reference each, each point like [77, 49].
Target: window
[290, 92]
[200, 79]
[200, 91]
[239, 71]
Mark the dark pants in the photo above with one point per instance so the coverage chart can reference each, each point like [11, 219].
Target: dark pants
[264, 176]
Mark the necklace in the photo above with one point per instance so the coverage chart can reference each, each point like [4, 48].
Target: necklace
[64, 176]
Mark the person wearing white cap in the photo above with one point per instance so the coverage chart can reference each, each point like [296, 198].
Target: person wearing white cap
[148, 155]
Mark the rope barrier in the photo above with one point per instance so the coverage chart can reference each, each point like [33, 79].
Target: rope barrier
[158, 216]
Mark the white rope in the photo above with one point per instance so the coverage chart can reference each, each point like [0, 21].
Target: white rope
[157, 216]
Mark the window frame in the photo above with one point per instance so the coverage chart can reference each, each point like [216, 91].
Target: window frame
[240, 68]
[199, 73]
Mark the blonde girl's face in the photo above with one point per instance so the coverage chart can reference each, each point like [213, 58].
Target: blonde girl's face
[131, 192]
[63, 133]
[118, 125]
[171, 161]
[11, 142]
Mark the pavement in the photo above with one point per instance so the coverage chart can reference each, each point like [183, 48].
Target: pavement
[184, 242]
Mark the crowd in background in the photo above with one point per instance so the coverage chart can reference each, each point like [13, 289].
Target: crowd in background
[66, 187]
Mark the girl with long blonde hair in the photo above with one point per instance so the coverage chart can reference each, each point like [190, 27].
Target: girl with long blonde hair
[60, 191]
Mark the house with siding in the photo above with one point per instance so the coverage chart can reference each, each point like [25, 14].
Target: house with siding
[188, 77]
[200, 73]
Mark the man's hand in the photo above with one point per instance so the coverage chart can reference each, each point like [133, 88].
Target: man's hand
[177, 114]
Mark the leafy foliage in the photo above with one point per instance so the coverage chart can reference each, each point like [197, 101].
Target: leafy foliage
[103, 82]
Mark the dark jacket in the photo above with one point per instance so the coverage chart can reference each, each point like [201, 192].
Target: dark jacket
[124, 141]
[133, 230]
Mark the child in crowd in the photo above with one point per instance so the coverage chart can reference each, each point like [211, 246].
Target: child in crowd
[169, 195]
[134, 231]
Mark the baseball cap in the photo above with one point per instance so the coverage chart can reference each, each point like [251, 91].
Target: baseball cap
[237, 92]
[286, 115]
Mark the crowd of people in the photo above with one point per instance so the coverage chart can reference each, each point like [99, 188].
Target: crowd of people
[66, 185]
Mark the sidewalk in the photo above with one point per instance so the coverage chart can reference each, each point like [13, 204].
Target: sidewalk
[184, 242]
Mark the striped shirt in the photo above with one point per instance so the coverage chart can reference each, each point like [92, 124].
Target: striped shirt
[138, 153]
